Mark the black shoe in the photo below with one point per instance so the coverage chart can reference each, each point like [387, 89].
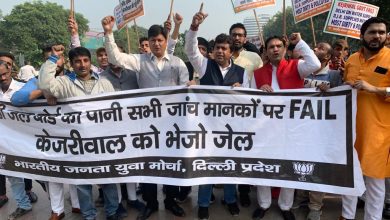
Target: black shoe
[233, 208]
[146, 213]
[183, 196]
[288, 215]
[386, 211]
[259, 213]
[32, 196]
[3, 201]
[203, 213]
[245, 201]
[176, 210]
[121, 212]
[136, 204]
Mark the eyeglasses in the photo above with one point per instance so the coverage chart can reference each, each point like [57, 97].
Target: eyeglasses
[240, 35]
[9, 65]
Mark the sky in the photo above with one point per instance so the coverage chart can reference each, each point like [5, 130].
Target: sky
[221, 14]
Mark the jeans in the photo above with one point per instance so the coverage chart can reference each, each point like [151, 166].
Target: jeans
[204, 194]
[19, 193]
[87, 206]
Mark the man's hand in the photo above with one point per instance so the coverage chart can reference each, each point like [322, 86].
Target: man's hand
[51, 100]
[266, 88]
[191, 83]
[72, 26]
[108, 23]
[295, 38]
[168, 25]
[178, 19]
[58, 50]
[323, 87]
[198, 19]
[237, 84]
[363, 85]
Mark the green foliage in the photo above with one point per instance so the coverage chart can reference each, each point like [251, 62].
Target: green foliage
[121, 38]
[33, 25]
[275, 27]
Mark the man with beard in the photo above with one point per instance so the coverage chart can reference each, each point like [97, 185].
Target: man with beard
[279, 74]
[368, 71]
[249, 61]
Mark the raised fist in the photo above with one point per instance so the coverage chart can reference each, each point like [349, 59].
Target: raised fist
[108, 23]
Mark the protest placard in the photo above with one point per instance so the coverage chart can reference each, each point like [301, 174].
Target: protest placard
[242, 5]
[128, 10]
[304, 9]
[346, 17]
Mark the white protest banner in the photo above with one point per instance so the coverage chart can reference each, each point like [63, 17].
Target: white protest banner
[304, 9]
[118, 14]
[346, 17]
[242, 5]
[127, 11]
[298, 139]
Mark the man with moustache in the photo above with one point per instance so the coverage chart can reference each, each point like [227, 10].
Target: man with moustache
[368, 71]
[279, 74]
[155, 69]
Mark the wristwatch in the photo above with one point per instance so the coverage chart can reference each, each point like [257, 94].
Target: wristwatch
[387, 91]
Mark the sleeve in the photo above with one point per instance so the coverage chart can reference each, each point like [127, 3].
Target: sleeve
[183, 72]
[127, 61]
[171, 46]
[22, 96]
[310, 62]
[75, 41]
[47, 80]
[246, 83]
[198, 61]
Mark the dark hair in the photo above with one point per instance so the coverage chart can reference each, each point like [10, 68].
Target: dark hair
[204, 42]
[142, 39]
[237, 25]
[224, 39]
[99, 50]
[156, 30]
[46, 49]
[340, 43]
[79, 51]
[248, 46]
[273, 38]
[7, 54]
[373, 20]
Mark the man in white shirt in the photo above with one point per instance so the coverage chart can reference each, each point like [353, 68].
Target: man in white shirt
[27, 72]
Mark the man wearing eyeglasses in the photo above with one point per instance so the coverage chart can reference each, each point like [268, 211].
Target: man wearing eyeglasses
[250, 61]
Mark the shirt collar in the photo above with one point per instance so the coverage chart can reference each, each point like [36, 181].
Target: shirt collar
[73, 76]
[153, 57]
[324, 70]
[228, 67]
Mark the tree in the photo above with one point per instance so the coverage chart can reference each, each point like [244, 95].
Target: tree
[275, 25]
[33, 25]
[121, 38]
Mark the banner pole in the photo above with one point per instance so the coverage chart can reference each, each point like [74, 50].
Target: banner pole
[284, 19]
[258, 26]
[170, 10]
[71, 13]
[128, 38]
[313, 32]
[136, 31]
